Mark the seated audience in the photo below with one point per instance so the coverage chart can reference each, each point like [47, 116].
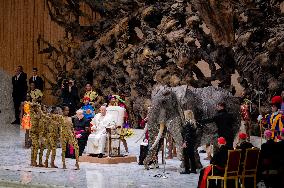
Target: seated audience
[243, 145]
[81, 127]
[280, 150]
[219, 160]
[267, 160]
[97, 139]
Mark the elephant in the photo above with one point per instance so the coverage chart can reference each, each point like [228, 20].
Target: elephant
[166, 115]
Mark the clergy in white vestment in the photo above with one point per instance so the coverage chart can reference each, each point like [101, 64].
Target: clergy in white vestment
[97, 139]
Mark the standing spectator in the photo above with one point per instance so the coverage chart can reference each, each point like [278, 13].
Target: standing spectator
[81, 126]
[37, 80]
[189, 137]
[274, 120]
[224, 122]
[20, 87]
[69, 95]
[282, 104]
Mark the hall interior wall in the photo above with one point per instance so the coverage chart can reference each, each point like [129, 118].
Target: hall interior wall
[21, 22]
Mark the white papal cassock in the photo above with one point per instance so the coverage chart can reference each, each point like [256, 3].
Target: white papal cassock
[97, 139]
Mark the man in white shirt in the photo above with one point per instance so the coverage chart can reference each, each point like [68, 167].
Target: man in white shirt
[37, 80]
[97, 139]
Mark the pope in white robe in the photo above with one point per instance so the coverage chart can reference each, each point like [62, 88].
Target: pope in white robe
[97, 139]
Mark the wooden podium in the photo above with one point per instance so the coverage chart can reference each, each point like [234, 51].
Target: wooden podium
[108, 160]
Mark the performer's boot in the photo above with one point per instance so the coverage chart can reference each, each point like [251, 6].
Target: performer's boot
[52, 165]
[77, 164]
[64, 166]
[33, 163]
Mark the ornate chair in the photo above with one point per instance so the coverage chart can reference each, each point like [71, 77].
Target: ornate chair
[231, 169]
[117, 114]
[250, 165]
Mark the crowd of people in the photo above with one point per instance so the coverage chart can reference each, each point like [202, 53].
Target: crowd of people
[90, 127]
[88, 122]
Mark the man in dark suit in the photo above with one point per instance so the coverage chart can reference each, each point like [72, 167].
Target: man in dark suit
[224, 122]
[37, 80]
[20, 88]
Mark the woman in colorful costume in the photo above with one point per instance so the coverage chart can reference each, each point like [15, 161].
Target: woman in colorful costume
[88, 109]
[92, 95]
[26, 121]
[36, 94]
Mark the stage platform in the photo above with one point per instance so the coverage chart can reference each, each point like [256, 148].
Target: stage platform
[108, 160]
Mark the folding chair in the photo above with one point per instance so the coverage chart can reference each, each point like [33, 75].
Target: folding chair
[250, 165]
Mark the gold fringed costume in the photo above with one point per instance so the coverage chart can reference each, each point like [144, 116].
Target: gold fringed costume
[67, 136]
[34, 131]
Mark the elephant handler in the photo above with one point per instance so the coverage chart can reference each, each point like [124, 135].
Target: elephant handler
[189, 136]
[224, 122]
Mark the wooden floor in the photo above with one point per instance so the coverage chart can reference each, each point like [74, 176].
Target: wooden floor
[108, 160]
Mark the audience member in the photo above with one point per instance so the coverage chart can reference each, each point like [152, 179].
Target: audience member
[243, 145]
[69, 95]
[81, 127]
[267, 160]
[219, 160]
[35, 94]
[19, 81]
[89, 111]
[37, 80]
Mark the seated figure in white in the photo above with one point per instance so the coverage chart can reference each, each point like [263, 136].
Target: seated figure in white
[97, 139]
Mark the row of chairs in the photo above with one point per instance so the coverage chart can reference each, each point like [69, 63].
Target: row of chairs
[234, 170]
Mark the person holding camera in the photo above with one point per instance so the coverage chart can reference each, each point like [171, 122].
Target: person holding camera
[69, 95]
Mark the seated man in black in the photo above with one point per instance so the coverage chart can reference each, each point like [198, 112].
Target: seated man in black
[81, 127]
[280, 150]
[268, 161]
[243, 145]
[219, 160]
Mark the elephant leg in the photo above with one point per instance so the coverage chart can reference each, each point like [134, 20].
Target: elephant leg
[63, 145]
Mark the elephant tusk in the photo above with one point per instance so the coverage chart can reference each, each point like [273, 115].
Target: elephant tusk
[162, 127]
